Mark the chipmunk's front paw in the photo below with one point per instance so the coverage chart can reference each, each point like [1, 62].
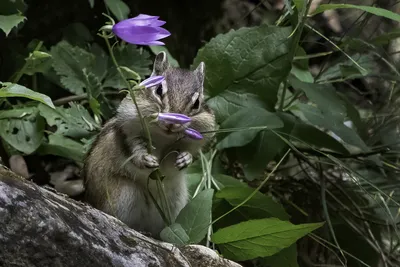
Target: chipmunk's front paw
[183, 160]
[150, 161]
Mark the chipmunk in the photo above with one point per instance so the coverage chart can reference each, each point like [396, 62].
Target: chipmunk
[121, 189]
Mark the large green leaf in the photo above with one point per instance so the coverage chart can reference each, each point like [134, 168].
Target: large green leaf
[245, 118]
[64, 147]
[196, 215]
[73, 122]
[287, 257]
[69, 62]
[7, 23]
[16, 90]
[229, 102]
[373, 10]
[22, 128]
[260, 204]
[247, 60]
[118, 8]
[259, 238]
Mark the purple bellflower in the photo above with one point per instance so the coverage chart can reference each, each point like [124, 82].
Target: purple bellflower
[141, 30]
[173, 118]
[192, 133]
[152, 81]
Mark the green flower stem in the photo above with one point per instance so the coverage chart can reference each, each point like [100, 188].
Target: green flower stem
[156, 175]
[21, 72]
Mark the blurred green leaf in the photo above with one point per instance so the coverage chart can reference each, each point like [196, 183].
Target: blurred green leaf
[245, 118]
[261, 204]
[74, 122]
[385, 38]
[287, 257]
[62, 146]
[373, 10]
[16, 90]
[118, 8]
[174, 234]
[250, 59]
[10, 7]
[22, 128]
[227, 181]
[7, 23]
[37, 62]
[259, 238]
[196, 216]
[91, 3]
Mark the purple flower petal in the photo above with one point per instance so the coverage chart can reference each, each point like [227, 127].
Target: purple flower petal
[174, 118]
[144, 16]
[152, 81]
[192, 133]
[140, 34]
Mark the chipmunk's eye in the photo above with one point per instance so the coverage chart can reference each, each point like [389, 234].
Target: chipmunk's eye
[159, 90]
[196, 104]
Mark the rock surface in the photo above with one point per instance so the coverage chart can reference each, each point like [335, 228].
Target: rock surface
[43, 228]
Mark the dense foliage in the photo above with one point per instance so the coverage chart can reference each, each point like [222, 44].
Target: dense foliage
[296, 153]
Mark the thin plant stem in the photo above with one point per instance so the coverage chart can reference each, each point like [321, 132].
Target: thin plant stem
[21, 72]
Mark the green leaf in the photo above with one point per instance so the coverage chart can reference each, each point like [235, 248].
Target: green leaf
[196, 216]
[385, 38]
[229, 102]
[7, 23]
[132, 58]
[91, 3]
[259, 204]
[250, 59]
[118, 8]
[37, 62]
[259, 238]
[159, 48]
[10, 7]
[74, 122]
[64, 147]
[226, 181]
[22, 128]
[244, 118]
[69, 63]
[299, 4]
[16, 90]
[286, 257]
[174, 234]
[373, 10]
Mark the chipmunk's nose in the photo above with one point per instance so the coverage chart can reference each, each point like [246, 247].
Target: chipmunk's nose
[173, 127]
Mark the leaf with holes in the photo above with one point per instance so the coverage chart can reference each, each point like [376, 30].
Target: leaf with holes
[259, 238]
[253, 60]
[22, 128]
[74, 122]
[16, 90]
[195, 216]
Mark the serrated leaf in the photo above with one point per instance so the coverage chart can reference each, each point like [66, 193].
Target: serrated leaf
[259, 238]
[101, 66]
[22, 128]
[69, 62]
[250, 59]
[16, 90]
[37, 62]
[373, 10]
[245, 118]
[261, 204]
[196, 215]
[62, 146]
[132, 58]
[74, 122]
[118, 8]
[174, 234]
[7, 23]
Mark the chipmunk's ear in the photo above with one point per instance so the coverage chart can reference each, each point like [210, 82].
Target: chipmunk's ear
[200, 73]
[160, 63]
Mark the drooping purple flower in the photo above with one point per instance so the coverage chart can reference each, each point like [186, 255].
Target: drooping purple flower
[141, 30]
[173, 118]
[192, 133]
[152, 81]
